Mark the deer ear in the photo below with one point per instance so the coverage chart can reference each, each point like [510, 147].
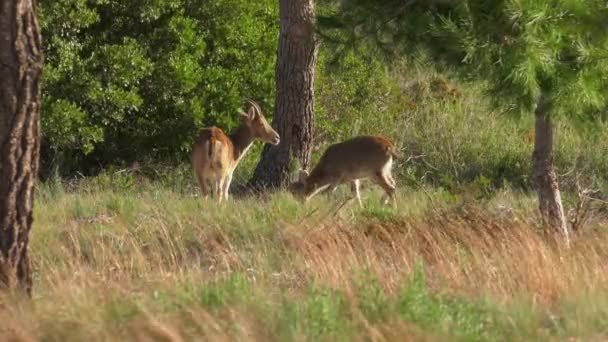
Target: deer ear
[251, 113]
[244, 116]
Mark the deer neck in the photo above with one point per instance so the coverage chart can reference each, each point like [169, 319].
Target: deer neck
[242, 140]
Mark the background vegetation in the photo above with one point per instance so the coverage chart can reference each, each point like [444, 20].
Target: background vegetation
[128, 81]
[134, 81]
[133, 252]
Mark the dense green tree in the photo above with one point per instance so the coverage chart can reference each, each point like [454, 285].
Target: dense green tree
[127, 80]
[547, 58]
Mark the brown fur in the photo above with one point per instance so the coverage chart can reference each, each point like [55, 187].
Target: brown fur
[215, 154]
[362, 157]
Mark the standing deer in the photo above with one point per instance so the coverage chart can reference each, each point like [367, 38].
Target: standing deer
[349, 162]
[215, 155]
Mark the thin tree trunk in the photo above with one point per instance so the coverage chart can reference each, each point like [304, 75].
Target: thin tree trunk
[293, 116]
[549, 197]
[20, 73]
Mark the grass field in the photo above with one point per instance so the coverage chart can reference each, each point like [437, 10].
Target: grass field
[152, 263]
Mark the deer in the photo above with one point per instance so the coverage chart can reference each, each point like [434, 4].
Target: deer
[356, 159]
[215, 155]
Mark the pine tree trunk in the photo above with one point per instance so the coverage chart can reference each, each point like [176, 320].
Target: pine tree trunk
[549, 198]
[20, 74]
[293, 116]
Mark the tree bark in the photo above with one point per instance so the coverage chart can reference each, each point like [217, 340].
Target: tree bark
[293, 116]
[545, 178]
[20, 75]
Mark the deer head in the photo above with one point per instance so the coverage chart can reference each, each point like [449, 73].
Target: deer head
[258, 125]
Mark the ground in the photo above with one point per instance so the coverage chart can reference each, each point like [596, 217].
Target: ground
[156, 263]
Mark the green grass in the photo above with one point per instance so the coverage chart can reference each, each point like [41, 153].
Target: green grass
[151, 262]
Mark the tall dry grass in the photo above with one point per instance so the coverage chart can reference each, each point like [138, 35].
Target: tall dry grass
[161, 266]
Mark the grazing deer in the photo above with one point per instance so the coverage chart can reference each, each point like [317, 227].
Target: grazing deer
[349, 162]
[215, 155]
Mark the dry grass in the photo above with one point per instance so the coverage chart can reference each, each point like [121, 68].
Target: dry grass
[156, 266]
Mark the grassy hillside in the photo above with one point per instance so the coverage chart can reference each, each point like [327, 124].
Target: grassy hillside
[139, 255]
[134, 253]
[147, 262]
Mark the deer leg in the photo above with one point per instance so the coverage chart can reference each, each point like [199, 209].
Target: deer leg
[354, 187]
[202, 175]
[330, 191]
[226, 187]
[390, 178]
[218, 185]
[386, 172]
[210, 187]
[316, 191]
[202, 183]
[388, 187]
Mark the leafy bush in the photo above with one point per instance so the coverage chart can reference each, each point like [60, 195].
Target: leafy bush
[134, 81]
[128, 80]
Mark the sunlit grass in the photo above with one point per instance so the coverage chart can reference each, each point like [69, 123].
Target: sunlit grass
[150, 262]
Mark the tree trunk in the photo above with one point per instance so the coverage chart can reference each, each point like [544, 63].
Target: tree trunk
[20, 74]
[293, 116]
[549, 198]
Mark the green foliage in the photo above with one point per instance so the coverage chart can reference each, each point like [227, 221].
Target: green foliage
[117, 310]
[373, 301]
[134, 81]
[378, 210]
[524, 48]
[355, 95]
[234, 288]
[529, 48]
[435, 105]
[322, 313]
[467, 320]
[127, 80]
